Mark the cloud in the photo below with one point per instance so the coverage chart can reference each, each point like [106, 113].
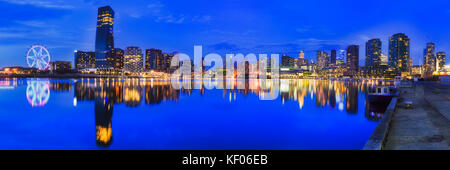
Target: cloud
[59, 4]
[39, 24]
[11, 35]
[313, 30]
[160, 13]
[224, 46]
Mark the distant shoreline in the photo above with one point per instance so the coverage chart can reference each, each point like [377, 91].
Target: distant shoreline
[78, 75]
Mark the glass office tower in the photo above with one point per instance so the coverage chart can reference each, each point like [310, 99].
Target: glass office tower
[104, 40]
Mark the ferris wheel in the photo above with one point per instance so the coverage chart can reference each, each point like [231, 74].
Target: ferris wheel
[38, 57]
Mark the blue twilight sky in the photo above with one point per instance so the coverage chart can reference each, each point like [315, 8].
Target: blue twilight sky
[222, 26]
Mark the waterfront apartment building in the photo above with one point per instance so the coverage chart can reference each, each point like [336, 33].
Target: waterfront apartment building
[154, 60]
[84, 60]
[352, 60]
[399, 53]
[104, 39]
[301, 59]
[373, 55]
[287, 61]
[133, 60]
[340, 60]
[118, 59]
[167, 62]
[440, 61]
[60, 66]
[322, 60]
[429, 58]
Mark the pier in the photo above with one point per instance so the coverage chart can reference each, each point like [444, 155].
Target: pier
[424, 125]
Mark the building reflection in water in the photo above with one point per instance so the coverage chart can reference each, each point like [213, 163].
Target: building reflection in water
[352, 98]
[105, 93]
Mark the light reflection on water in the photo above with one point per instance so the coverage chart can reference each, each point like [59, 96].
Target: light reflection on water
[317, 97]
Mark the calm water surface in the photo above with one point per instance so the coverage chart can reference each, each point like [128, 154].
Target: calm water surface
[147, 114]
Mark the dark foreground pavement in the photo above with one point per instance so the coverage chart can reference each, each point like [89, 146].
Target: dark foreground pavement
[426, 125]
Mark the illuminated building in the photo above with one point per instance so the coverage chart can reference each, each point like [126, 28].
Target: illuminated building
[133, 60]
[384, 60]
[301, 59]
[340, 60]
[417, 71]
[352, 60]
[118, 58]
[167, 62]
[60, 66]
[373, 55]
[287, 61]
[322, 60]
[154, 60]
[104, 40]
[429, 58]
[399, 52]
[440, 61]
[19, 70]
[84, 60]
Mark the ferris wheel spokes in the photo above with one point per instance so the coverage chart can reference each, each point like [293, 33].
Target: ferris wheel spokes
[38, 57]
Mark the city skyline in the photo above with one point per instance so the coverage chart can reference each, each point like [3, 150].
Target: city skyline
[124, 35]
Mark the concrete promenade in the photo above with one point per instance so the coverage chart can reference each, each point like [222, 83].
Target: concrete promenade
[424, 126]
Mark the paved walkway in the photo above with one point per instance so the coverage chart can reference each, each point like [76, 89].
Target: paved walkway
[424, 127]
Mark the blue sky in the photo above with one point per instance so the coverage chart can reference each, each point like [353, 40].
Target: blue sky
[222, 26]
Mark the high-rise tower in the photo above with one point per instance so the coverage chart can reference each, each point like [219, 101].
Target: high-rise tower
[429, 58]
[399, 52]
[352, 59]
[104, 40]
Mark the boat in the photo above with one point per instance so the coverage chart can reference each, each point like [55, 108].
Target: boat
[382, 93]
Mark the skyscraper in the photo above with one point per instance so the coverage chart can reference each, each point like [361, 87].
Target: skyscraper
[287, 61]
[322, 60]
[373, 55]
[301, 58]
[440, 61]
[104, 40]
[333, 58]
[84, 60]
[118, 58]
[154, 59]
[167, 62]
[352, 59]
[133, 60]
[399, 52]
[340, 61]
[429, 58]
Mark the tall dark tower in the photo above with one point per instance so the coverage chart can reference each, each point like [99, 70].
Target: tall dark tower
[373, 54]
[429, 58]
[399, 52]
[154, 59]
[104, 40]
[352, 60]
[333, 58]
